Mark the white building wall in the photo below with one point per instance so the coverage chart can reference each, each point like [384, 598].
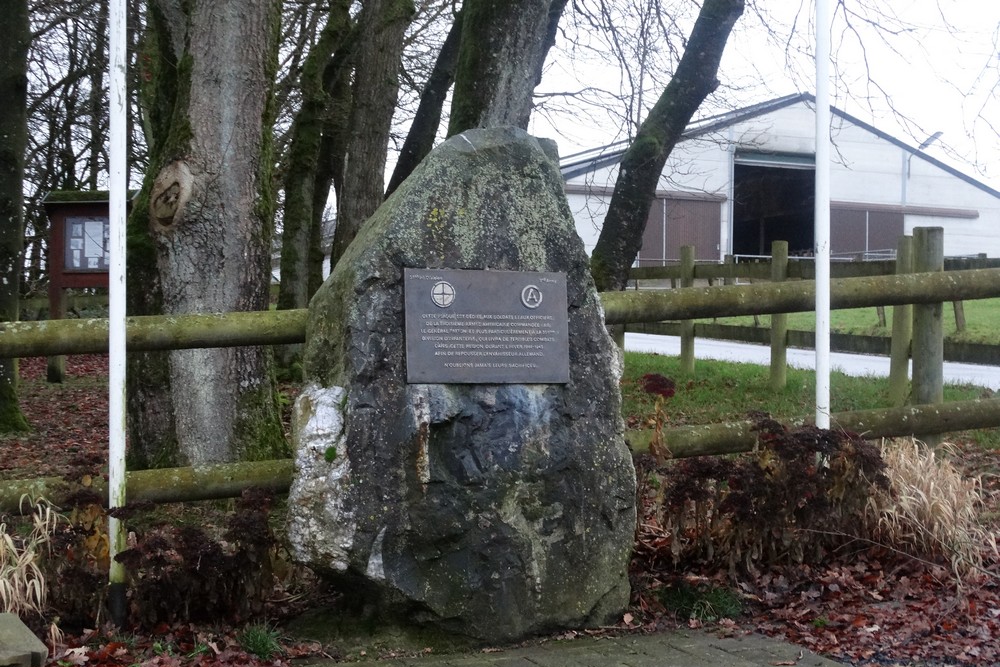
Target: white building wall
[866, 169]
[960, 236]
[588, 212]
[930, 186]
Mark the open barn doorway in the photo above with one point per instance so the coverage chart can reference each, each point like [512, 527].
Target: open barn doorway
[773, 200]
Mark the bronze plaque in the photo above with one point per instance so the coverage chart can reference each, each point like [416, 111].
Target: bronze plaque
[486, 327]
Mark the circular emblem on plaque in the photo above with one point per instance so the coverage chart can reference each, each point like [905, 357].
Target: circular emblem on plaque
[531, 296]
[443, 294]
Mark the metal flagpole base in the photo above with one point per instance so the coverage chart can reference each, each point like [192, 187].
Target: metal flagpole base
[118, 604]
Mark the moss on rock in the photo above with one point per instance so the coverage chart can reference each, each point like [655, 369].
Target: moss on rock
[490, 510]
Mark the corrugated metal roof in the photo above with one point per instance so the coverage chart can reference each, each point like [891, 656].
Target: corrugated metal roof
[587, 161]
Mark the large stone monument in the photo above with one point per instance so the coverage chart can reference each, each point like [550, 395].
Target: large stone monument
[459, 444]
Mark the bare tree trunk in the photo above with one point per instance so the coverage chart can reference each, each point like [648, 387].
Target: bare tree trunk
[13, 139]
[330, 170]
[151, 427]
[97, 65]
[209, 213]
[500, 60]
[302, 164]
[34, 263]
[423, 130]
[643, 162]
[381, 27]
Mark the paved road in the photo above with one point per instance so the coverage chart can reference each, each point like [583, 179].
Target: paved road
[674, 649]
[851, 364]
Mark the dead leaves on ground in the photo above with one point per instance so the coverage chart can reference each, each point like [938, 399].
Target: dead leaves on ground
[69, 421]
[865, 607]
[864, 613]
[171, 646]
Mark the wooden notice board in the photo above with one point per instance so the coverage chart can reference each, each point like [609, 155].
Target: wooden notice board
[78, 254]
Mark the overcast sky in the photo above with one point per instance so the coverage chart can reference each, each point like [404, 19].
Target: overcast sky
[929, 66]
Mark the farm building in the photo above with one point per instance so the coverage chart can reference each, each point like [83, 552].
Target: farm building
[738, 181]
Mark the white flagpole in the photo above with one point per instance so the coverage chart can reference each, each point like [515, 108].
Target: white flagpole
[118, 194]
[822, 213]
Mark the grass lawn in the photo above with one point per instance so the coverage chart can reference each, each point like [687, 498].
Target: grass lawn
[722, 391]
[982, 321]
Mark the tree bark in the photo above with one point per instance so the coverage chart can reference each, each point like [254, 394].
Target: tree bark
[151, 429]
[302, 165]
[643, 162]
[423, 130]
[504, 44]
[13, 140]
[333, 149]
[377, 52]
[209, 211]
[97, 65]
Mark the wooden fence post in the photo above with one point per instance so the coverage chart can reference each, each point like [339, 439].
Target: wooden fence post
[902, 331]
[687, 326]
[779, 322]
[880, 315]
[959, 307]
[728, 273]
[928, 329]
[55, 366]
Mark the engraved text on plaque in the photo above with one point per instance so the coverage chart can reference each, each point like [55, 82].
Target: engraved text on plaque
[486, 326]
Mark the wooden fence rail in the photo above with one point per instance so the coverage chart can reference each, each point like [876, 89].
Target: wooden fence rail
[798, 268]
[20, 339]
[166, 332]
[229, 480]
[798, 296]
[154, 332]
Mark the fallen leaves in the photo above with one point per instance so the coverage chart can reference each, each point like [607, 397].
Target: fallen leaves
[902, 618]
[786, 663]
[182, 645]
[861, 606]
[69, 421]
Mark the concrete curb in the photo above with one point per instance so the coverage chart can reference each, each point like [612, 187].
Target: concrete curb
[674, 649]
[18, 646]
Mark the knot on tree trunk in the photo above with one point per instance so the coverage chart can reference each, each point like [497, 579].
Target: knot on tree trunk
[171, 191]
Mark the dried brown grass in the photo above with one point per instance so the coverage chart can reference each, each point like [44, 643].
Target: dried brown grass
[22, 582]
[932, 511]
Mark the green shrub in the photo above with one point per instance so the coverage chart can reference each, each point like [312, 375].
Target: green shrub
[259, 640]
[703, 602]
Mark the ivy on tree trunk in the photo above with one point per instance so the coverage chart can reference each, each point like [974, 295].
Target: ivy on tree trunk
[13, 139]
[503, 48]
[205, 216]
[381, 28]
[302, 165]
[643, 162]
